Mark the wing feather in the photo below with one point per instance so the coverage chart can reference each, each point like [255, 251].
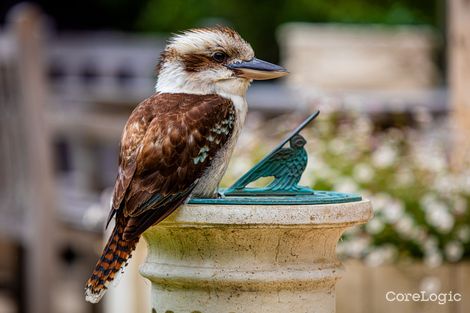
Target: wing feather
[275, 165]
[163, 156]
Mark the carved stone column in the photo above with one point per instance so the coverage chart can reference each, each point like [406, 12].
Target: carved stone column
[216, 258]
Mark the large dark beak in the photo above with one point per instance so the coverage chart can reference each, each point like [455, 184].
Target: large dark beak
[257, 69]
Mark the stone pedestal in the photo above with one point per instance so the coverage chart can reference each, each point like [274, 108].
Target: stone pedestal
[248, 258]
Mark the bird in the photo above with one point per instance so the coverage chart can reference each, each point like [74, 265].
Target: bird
[177, 143]
[286, 165]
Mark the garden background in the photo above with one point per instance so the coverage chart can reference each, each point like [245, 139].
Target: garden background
[390, 78]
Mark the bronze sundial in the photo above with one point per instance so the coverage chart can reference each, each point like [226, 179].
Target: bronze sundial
[285, 164]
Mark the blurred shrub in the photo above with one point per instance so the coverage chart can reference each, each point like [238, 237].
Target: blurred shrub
[421, 206]
[257, 20]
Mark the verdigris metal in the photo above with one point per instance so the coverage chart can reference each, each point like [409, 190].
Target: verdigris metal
[286, 165]
[320, 197]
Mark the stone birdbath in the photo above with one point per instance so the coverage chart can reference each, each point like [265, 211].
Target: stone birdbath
[263, 250]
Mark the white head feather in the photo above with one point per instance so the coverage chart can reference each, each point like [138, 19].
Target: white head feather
[178, 72]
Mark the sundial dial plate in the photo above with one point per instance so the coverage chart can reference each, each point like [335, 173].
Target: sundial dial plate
[319, 197]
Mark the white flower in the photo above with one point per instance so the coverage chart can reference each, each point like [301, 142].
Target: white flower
[381, 255]
[460, 206]
[324, 172]
[393, 211]
[445, 184]
[434, 162]
[375, 258]
[404, 176]
[427, 157]
[418, 234]
[438, 216]
[240, 166]
[355, 247]
[433, 259]
[375, 226]
[464, 233]
[346, 185]
[337, 146]
[430, 245]
[363, 126]
[363, 173]
[464, 183]
[430, 284]
[405, 225]
[384, 156]
[352, 231]
[428, 199]
[380, 201]
[454, 251]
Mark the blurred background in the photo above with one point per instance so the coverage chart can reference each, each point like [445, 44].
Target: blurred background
[391, 77]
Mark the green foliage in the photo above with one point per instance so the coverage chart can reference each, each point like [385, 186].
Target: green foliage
[257, 20]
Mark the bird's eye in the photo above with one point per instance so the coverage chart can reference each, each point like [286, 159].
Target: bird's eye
[219, 56]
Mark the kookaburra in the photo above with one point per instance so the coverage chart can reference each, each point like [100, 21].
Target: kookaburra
[177, 143]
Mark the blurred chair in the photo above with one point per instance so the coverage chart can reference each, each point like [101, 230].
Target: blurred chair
[50, 230]
[57, 239]
[27, 199]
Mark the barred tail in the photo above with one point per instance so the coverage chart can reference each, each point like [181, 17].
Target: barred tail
[113, 260]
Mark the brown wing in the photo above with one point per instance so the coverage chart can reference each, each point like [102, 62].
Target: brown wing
[130, 145]
[183, 137]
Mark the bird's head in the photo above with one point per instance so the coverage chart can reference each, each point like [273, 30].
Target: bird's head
[211, 60]
[297, 141]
